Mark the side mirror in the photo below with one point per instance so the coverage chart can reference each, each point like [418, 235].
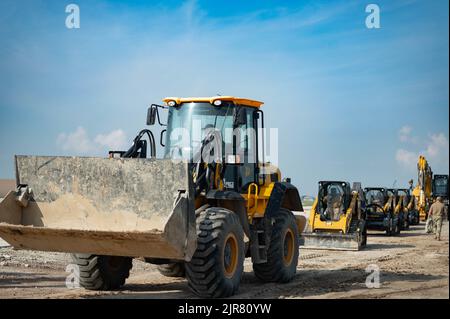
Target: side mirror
[240, 118]
[151, 115]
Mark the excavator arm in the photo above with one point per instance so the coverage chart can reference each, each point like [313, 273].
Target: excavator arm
[424, 188]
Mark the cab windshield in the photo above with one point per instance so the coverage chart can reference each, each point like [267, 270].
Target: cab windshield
[441, 185]
[332, 197]
[375, 196]
[191, 122]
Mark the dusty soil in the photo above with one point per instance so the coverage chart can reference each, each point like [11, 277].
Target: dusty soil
[412, 265]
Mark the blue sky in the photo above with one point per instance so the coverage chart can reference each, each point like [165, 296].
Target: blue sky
[350, 103]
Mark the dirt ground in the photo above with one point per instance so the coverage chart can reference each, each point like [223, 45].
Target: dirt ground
[412, 265]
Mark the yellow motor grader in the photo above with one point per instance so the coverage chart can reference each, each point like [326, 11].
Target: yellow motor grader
[200, 211]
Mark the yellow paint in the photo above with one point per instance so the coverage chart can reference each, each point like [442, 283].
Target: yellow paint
[388, 205]
[218, 182]
[289, 239]
[263, 195]
[231, 242]
[340, 226]
[422, 193]
[235, 100]
[251, 209]
[398, 207]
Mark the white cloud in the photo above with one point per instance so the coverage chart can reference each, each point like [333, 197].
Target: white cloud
[404, 133]
[405, 136]
[435, 149]
[407, 158]
[78, 142]
[115, 140]
[438, 146]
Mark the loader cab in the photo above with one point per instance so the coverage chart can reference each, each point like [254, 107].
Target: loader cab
[219, 131]
[375, 196]
[334, 197]
[440, 186]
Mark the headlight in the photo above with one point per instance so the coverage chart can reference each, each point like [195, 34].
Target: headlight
[217, 102]
[171, 103]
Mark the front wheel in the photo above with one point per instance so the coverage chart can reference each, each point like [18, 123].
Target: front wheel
[101, 272]
[216, 267]
[282, 255]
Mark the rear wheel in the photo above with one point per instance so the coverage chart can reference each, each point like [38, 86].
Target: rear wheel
[406, 223]
[363, 235]
[218, 262]
[415, 218]
[396, 230]
[282, 255]
[172, 269]
[101, 272]
[389, 228]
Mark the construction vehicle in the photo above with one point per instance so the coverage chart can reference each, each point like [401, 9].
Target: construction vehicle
[440, 189]
[198, 217]
[424, 188]
[399, 207]
[337, 218]
[409, 207]
[380, 211]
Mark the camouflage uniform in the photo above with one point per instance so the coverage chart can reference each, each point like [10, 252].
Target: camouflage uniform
[437, 213]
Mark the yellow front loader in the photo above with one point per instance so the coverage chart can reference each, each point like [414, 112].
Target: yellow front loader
[209, 203]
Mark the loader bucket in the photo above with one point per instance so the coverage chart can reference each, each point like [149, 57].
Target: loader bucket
[105, 206]
[331, 241]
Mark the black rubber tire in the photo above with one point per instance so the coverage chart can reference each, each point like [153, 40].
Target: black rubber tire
[172, 269]
[364, 237]
[102, 272]
[389, 228]
[275, 270]
[417, 220]
[205, 273]
[397, 229]
[406, 224]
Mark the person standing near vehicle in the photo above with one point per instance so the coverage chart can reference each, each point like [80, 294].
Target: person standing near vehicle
[437, 214]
